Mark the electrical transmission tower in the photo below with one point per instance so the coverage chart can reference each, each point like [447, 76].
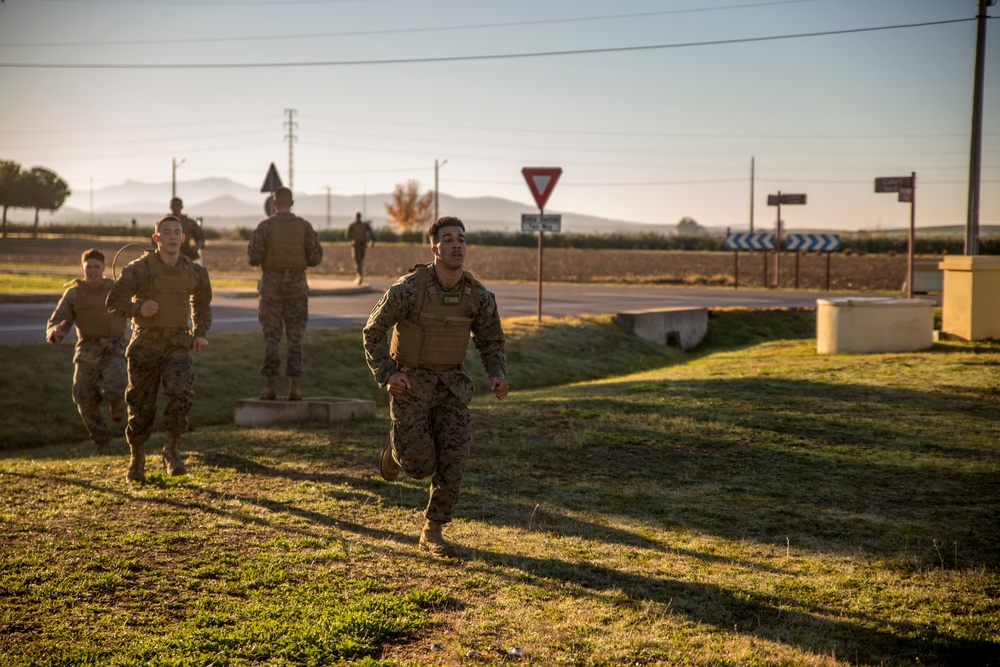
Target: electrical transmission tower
[292, 138]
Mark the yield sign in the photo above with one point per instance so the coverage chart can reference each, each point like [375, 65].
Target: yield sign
[272, 181]
[541, 182]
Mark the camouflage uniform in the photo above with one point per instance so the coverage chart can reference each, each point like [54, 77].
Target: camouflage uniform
[431, 424]
[360, 233]
[194, 237]
[99, 361]
[160, 353]
[283, 294]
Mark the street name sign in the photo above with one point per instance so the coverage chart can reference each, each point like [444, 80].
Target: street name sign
[533, 222]
[893, 183]
[906, 195]
[776, 200]
[541, 182]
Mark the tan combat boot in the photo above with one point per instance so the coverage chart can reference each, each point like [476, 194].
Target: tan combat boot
[432, 541]
[172, 456]
[137, 464]
[267, 393]
[294, 391]
[102, 449]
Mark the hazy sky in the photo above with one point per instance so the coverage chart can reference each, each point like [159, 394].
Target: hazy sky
[646, 134]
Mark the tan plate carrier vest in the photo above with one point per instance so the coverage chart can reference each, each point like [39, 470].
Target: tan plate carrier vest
[435, 335]
[171, 287]
[92, 317]
[358, 232]
[286, 245]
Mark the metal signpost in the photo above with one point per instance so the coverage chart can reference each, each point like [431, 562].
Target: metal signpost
[541, 182]
[778, 200]
[752, 241]
[906, 186]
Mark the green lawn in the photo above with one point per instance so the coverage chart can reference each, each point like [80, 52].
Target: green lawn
[753, 503]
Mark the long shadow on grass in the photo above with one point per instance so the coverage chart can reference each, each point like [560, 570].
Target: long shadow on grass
[773, 618]
[828, 467]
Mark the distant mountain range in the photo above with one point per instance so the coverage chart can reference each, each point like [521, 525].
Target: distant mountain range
[225, 204]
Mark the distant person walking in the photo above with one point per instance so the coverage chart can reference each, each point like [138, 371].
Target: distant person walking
[162, 292]
[99, 362]
[194, 236]
[283, 245]
[360, 233]
[415, 345]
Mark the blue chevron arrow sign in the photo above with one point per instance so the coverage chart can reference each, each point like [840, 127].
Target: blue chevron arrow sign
[818, 242]
[750, 241]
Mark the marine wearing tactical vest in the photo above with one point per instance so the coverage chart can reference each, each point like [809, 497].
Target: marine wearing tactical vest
[99, 362]
[168, 297]
[432, 312]
[283, 246]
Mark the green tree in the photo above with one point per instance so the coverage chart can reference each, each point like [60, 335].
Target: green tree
[408, 208]
[11, 195]
[43, 190]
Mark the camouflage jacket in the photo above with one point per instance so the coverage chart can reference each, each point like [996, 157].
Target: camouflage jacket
[396, 305]
[139, 274]
[257, 247]
[66, 312]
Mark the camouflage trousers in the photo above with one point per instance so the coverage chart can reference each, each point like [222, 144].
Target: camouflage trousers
[283, 303]
[358, 255]
[99, 374]
[431, 435]
[155, 359]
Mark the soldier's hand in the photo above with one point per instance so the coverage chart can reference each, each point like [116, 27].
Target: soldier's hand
[398, 383]
[149, 308]
[200, 343]
[59, 332]
[499, 387]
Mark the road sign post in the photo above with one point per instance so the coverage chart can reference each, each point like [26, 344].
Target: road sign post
[752, 241]
[778, 200]
[906, 187]
[541, 181]
[271, 183]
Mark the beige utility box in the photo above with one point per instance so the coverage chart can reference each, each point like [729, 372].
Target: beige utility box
[971, 305]
[874, 324]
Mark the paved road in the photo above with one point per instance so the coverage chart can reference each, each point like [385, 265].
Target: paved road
[340, 303]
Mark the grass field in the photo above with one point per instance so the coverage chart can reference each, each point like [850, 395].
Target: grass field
[753, 503]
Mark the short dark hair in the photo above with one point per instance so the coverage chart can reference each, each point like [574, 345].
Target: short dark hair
[167, 218]
[93, 253]
[283, 193]
[177, 200]
[443, 221]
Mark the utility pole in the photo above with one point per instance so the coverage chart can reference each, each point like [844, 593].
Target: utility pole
[328, 219]
[751, 194]
[292, 138]
[173, 176]
[436, 167]
[975, 151]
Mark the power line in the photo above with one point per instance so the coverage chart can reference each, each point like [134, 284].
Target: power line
[498, 56]
[393, 31]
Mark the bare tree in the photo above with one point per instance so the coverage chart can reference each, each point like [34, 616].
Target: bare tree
[10, 191]
[408, 208]
[43, 190]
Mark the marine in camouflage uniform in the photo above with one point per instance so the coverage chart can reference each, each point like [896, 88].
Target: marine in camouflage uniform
[162, 292]
[194, 237]
[283, 245]
[360, 234]
[431, 312]
[99, 361]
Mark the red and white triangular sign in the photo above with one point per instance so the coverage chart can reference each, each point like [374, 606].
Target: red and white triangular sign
[541, 182]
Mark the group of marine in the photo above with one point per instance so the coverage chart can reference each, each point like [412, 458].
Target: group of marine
[415, 343]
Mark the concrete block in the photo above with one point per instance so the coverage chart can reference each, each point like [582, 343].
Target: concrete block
[684, 328]
[257, 412]
[874, 324]
[970, 308]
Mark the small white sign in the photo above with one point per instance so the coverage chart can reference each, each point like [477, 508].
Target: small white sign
[533, 222]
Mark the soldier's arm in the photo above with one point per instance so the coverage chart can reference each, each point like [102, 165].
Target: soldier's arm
[487, 334]
[394, 305]
[62, 317]
[201, 303]
[258, 244]
[314, 251]
[119, 300]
